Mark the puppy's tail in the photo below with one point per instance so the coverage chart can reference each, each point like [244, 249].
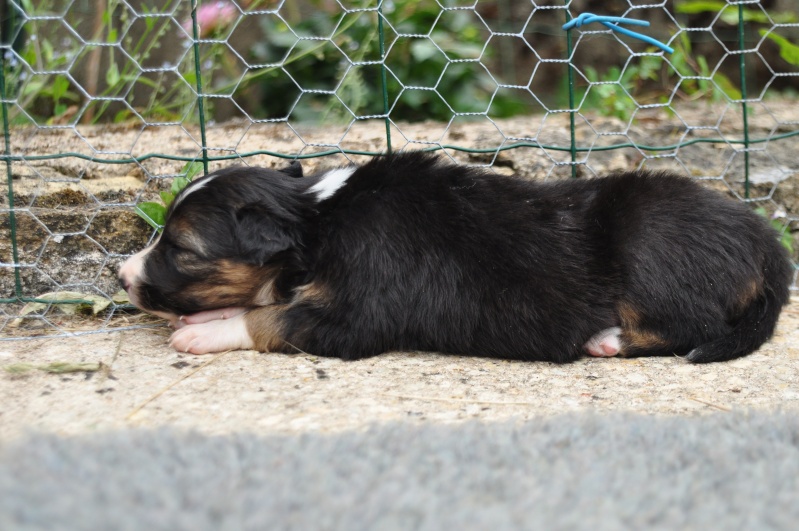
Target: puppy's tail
[757, 323]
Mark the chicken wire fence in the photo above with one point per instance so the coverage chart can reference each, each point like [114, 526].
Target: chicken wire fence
[108, 104]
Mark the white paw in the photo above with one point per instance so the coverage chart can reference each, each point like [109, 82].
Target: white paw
[605, 344]
[212, 336]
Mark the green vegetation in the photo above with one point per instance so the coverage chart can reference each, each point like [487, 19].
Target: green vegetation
[784, 235]
[155, 213]
[434, 64]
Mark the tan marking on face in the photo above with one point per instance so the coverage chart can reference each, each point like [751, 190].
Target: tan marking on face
[234, 284]
[265, 327]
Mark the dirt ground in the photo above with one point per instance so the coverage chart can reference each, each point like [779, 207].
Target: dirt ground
[142, 382]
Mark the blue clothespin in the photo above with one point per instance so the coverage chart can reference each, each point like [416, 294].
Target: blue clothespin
[611, 22]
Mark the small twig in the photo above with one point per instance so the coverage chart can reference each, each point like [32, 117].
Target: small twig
[711, 404]
[458, 400]
[173, 384]
[105, 370]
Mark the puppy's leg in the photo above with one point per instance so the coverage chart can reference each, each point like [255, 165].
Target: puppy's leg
[641, 335]
[258, 329]
[210, 315]
[605, 344]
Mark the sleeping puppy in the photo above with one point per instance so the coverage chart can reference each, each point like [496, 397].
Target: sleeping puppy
[411, 252]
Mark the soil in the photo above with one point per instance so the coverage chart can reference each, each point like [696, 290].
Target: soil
[137, 380]
[75, 224]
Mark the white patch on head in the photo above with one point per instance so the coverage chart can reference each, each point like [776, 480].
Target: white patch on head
[331, 182]
[193, 187]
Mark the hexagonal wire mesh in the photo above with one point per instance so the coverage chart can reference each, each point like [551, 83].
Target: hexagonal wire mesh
[105, 102]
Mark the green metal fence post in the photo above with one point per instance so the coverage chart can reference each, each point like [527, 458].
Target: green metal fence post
[570, 73]
[383, 81]
[200, 103]
[12, 219]
[742, 68]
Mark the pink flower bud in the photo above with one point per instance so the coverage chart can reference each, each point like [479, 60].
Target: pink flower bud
[212, 18]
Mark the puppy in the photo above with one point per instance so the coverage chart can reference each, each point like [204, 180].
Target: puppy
[411, 252]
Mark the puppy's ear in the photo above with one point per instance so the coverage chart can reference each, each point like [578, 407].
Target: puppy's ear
[260, 236]
[293, 170]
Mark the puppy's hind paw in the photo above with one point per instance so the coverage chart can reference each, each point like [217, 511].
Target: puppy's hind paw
[604, 344]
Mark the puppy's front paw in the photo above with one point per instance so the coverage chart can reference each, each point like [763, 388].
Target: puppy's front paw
[212, 336]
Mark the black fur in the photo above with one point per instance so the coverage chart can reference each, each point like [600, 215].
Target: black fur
[415, 253]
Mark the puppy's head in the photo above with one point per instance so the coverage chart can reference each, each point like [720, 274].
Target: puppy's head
[224, 241]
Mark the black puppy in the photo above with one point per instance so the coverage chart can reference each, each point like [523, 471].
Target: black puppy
[410, 252]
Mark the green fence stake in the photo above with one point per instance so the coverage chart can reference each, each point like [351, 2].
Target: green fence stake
[572, 135]
[12, 219]
[200, 106]
[742, 68]
[383, 81]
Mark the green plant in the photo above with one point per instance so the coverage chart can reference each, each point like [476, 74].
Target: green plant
[418, 62]
[50, 95]
[784, 235]
[618, 93]
[51, 92]
[167, 101]
[788, 50]
[730, 16]
[154, 213]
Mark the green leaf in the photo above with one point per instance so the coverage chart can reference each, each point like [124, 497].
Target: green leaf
[727, 86]
[788, 50]
[191, 169]
[691, 7]
[190, 77]
[121, 297]
[179, 184]
[56, 367]
[424, 49]
[69, 302]
[731, 16]
[47, 51]
[112, 77]
[152, 213]
[60, 87]
[167, 198]
[787, 241]
[122, 115]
